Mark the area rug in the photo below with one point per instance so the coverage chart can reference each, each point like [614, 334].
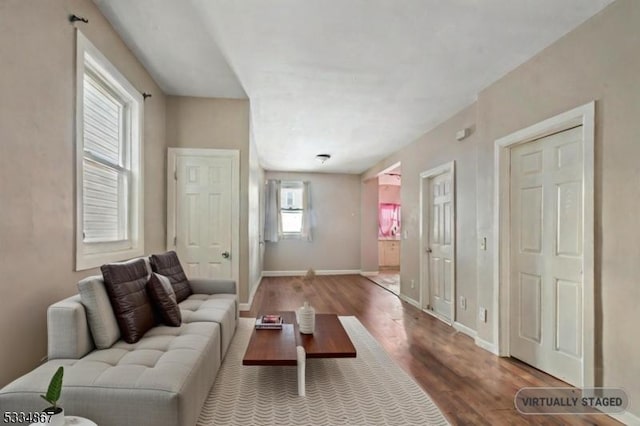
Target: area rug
[368, 390]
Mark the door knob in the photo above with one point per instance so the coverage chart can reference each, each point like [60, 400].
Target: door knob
[226, 254]
[429, 250]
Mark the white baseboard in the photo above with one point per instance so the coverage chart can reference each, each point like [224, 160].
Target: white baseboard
[626, 418]
[465, 330]
[487, 346]
[318, 272]
[247, 306]
[409, 300]
[369, 273]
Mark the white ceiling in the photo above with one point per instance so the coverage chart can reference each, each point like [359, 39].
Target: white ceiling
[357, 79]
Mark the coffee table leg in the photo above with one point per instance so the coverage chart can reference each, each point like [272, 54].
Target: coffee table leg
[302, 360]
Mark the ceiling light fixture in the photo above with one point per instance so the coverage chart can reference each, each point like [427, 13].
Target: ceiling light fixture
[322, 158]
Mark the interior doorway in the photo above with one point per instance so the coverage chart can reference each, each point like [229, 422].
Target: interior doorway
[202, 211]
[546, 254]
[438, 242]
[545, 245]
[389, 229]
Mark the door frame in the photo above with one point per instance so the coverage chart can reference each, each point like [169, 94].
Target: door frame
[581, 116]
[425, 214]
[234, 156]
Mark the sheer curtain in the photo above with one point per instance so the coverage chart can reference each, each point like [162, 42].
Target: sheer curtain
[272, 224]
[388, 219]
[306, 213]
[273, 217]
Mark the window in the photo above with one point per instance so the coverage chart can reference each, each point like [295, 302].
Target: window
[292, 208]
[109, 162]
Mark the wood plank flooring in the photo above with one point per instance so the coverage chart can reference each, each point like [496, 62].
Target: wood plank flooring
[470, 385]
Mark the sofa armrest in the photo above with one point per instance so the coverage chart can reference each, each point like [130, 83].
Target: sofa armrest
[205, 286]
[67, 330]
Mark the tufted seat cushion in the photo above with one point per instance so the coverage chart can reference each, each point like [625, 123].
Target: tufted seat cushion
[169, 372]
[219, 308]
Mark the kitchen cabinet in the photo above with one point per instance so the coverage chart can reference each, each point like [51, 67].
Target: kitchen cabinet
[389, 253]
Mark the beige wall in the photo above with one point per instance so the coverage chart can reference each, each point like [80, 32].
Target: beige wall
[369, 191]
[255, 217]
[37, 157]
[597, 61]
[219, 124]
[431, 150]
[335, 203]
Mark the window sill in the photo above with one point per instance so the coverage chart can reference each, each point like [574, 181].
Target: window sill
[292, 236]
[86, 261]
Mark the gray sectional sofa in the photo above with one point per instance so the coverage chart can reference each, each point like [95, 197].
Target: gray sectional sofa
[161, 380]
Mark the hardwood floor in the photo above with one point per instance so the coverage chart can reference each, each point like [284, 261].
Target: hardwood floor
[470, 385]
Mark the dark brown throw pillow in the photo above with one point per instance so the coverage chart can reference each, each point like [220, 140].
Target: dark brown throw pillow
[164, 303]
[126, 286]
[167, 264]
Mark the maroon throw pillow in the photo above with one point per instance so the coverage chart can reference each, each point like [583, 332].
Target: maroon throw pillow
[167, 264]
[167, 308]
[126, 286]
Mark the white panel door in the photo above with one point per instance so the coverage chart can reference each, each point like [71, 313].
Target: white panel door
[546, 254]
[440, 245]
[203, 215]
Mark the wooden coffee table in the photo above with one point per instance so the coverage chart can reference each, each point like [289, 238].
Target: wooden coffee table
[289, 347]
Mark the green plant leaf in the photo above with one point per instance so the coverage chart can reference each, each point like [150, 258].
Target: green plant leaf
[55, 388]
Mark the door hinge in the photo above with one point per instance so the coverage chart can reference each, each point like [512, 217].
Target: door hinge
[175, 241]
[175, 175]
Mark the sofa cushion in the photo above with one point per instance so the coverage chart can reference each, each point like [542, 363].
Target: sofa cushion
[164, 300]
[126, 286]
[219, 308]
[102, 321]
[168, 264]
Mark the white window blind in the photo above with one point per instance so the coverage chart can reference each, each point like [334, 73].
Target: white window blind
[103, 121]
[105, 180]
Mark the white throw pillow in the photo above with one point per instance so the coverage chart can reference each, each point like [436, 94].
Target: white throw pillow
[102, 321]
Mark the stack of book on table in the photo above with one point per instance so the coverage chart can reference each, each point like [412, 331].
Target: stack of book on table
[269, 322]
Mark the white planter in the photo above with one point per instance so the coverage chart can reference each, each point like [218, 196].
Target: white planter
[56, 419]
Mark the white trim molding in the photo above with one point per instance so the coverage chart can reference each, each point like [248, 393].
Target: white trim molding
[626, 418]
[318, 272]
[487, 346]
[481, 343]
[369, 273]
[409, 300]
[581, 116]
[465, 330]
[247, 306]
